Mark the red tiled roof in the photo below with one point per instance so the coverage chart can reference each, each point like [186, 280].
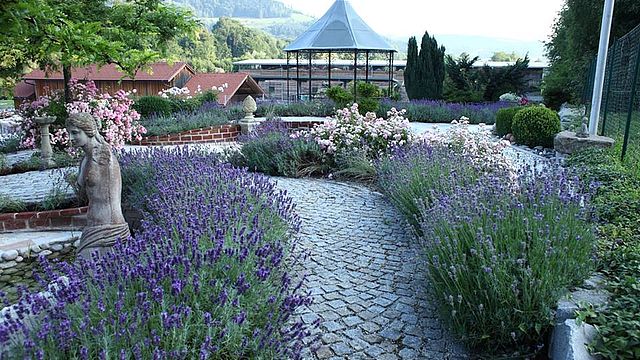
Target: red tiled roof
[23, 90]
[214, 81]
[159, 71]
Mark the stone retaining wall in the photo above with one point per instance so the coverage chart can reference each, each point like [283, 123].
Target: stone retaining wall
[18, 265]
[73, 218]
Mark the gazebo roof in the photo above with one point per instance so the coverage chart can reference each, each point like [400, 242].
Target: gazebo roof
[340, 28]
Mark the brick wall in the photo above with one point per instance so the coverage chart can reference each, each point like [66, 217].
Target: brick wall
[221, 133]
[55, 219]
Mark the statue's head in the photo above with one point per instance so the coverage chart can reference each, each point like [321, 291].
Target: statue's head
[81, 127]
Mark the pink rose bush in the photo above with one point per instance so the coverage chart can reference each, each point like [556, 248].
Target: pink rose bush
[118, 121]
[349, 130]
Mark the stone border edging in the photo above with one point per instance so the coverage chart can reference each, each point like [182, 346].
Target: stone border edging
[52, 219]
[570, 338]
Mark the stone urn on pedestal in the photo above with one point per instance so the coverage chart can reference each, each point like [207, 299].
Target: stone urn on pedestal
[46, 153]
[249, 122]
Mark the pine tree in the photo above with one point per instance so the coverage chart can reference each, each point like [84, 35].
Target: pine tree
[410, 73]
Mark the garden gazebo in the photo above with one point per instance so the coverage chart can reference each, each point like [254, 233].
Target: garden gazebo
[339, 30]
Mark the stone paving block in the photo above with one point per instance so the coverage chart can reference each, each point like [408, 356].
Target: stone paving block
[341, 348]
[407, 354]
[390, 334]
[352, 321]
[330, 338]
[369, 327]
[324, 352]
[332, 326]
[413, 342]
[374, 351]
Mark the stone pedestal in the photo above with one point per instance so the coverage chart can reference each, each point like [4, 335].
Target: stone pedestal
[567, 142]
[46, 153]
[249, 122]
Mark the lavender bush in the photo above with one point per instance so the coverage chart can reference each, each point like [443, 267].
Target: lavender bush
[418, 173]
[319, 108]
[439, 111]
[209, 114]
[500, 256]
[205, 278]
[271, 150]
[438, 163]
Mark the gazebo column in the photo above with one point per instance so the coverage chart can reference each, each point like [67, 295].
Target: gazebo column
[288, 95]
[390, 87]
[366, 72]
[329, 68]
[310, 75]
[297, 76]
[355, 75]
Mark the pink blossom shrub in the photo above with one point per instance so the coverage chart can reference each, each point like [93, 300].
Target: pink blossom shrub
[117, 120]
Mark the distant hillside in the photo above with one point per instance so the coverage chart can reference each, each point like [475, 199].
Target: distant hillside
[260, 9]
[228, 41]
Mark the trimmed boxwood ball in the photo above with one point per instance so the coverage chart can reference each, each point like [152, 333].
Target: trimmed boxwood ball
[536, 126]
[504, 118]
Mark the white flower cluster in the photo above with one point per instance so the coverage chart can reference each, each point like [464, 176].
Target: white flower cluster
[174, 92]
[510, 97]
[349, 130]
[484, 151]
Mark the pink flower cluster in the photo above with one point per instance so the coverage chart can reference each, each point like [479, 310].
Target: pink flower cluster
[349, 130]
[118, 120]
[40, 107]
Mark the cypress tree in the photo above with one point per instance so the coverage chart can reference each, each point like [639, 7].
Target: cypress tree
[431, 74]
[410, 72]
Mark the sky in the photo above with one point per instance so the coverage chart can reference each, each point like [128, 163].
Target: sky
[530, 20]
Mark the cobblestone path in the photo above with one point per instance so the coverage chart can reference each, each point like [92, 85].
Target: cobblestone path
[364, 277]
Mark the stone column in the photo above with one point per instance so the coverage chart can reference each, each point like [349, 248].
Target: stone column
[249, 122]
[46, 153]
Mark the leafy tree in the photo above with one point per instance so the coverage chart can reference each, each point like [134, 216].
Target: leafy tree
[462, 80]
[504, 56]
[54, 34]
[500, 80]
[201, 51]
[243, 42]
[426, 73]
[574, 43]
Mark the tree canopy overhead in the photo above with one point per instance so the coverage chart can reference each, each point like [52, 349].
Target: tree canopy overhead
[61, 34]
[574, 43]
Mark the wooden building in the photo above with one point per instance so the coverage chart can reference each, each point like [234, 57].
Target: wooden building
[231, 87]
[107, 79]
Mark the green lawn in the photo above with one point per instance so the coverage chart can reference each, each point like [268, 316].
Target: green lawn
[6, 104]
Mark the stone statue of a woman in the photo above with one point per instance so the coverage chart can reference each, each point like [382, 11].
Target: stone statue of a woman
[98, 182]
